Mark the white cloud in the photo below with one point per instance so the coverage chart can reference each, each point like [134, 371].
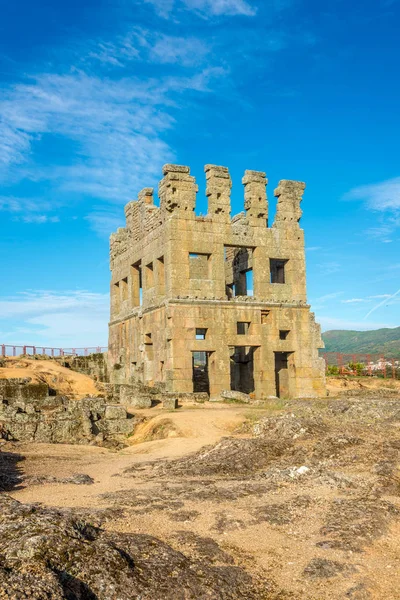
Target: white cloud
[384, 198]
[143, 45]
[330, 296]
[115, 124]
[184, 51]
[39, 219]
[329, 267]
[380, 296]
[45, 317]
[105, 221]
[29, 210]
[378, 196]
[222, 7]
[206, 7]
[354, 300]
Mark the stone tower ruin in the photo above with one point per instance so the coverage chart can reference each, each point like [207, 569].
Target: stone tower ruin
[213, 303]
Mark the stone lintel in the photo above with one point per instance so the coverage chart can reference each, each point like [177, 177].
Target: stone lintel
[216, 171]
[254, 177]
[168, 168]
[290, 187]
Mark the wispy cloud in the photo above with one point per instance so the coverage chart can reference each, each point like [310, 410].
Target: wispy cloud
[384, 301]
[329, 267]
[206, 7]
[143, 45]
[380, 296]
[383, 197]
[39, 219]
[116, 125]
[330, 296]
[105, 221]
[354, 300]
[45, 317]
[378, 196]
[29, 210]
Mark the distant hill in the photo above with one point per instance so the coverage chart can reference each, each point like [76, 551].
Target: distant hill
[379, 341]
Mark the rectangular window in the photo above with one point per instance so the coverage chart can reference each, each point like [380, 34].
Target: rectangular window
[147, 339]
[242, 327]
[161, 275]
[238, 271]
[264, 317]
[136, 284]
[201, 333]
[199, 265]
[277, 270]
[117, 297]
[283, 334]
[124, 289]
[149, 275]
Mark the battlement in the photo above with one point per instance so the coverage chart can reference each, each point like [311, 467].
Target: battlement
[178, 190]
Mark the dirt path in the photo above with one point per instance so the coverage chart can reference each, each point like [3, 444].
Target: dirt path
[182, 432]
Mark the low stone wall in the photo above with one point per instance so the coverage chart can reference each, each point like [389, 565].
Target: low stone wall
[94, 365]
[28, 413]
[138, 395]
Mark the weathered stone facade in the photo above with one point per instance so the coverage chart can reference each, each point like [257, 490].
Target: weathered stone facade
[213, 303]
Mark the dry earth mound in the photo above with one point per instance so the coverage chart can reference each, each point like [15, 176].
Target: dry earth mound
[65, 381]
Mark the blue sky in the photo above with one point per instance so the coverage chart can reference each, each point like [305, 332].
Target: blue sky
[96, 95]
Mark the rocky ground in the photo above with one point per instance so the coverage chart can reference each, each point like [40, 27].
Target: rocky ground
[285, 500]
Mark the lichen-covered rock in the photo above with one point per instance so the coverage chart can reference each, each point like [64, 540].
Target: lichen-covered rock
[53, 554]
[115, 412]
[170, 403]
[132, 395]
[235, 396]
[57, 419]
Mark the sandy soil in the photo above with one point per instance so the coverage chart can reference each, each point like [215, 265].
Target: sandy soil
[65, 381]
[337, 384]
[329, 533]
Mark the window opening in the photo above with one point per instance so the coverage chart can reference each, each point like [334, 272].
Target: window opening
[124, 289]
[264, 317]
[149, 275]
[136, 284]
[242, 368]
[117, 298]
[242, 327]
[161, 275]
[238, 271]
[283, 334]
[200, 375]
[282, 381]
[200, 333]
[277, 270]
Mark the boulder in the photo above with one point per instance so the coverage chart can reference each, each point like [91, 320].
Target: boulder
[170, 403]
[235, 396]
[115, 412]
[129, 395]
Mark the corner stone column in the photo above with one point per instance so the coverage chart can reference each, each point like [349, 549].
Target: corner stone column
[219, 371]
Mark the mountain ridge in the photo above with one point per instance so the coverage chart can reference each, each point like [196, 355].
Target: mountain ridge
[385, 341]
